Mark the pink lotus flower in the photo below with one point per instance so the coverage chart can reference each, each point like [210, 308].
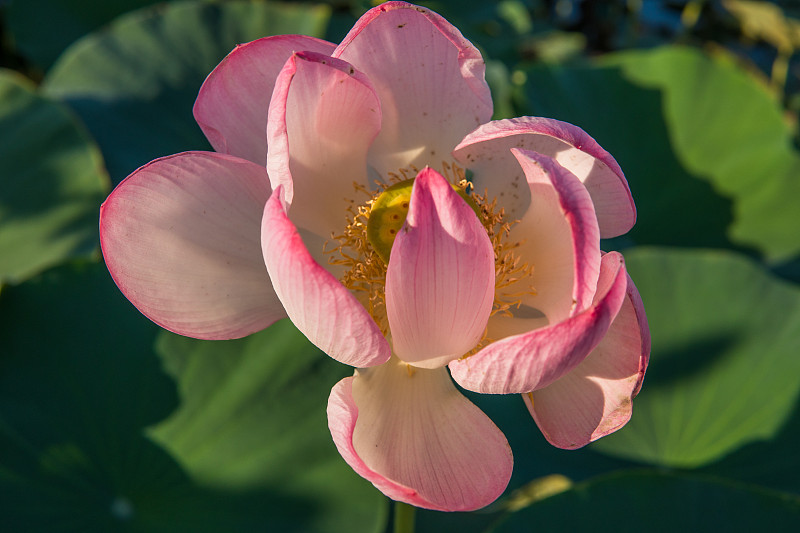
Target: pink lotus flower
[506, 287]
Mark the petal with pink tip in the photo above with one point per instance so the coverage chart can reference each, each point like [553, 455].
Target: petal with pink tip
[181, 238]
[321, 307]
[486, 152]
[323, 117]
[430, 80]
[418, 439]
[533, 360]
[232, 105]
[595, 398]
[440, 278]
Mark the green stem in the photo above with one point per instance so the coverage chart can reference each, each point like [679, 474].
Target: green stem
[404, 517]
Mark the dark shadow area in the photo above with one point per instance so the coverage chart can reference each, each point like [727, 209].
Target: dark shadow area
[131, 133]
[774, 463]
[789, 270]
[656, 501]
[678, 364]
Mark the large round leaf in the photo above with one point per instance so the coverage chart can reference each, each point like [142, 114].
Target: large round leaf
[704, 145]
[134, 83]
[52, 181]
[724, 368]
[252, 416]
[654, 502]
[79, 382]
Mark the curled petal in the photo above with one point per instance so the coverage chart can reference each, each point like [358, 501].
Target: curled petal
[559, 239]
[571, 254]
[232, 105]
[430, 80]
[322, 119]
[486, 152]
[530, 361]
[595, 398]
[181, 238]
[440, 279]
[417, 439]
[321, 307]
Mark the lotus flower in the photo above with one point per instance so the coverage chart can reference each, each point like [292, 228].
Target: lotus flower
[362, 191]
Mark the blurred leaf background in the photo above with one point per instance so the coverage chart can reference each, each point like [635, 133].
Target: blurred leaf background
[109, 424]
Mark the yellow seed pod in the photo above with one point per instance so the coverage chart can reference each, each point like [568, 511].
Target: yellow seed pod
[389, 212]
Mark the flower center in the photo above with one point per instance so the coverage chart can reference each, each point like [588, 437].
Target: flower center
[364, 247]
[390, 209]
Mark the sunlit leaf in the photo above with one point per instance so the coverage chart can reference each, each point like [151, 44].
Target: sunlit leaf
[704, 145]
[724, 370]
[253, 416]
[52, 182]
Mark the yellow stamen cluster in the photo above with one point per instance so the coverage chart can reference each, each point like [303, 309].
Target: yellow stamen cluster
[509, 267]
[365, 270]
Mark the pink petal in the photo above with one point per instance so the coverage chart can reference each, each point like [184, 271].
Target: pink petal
[549, 181]
[560, 240]
[322, 119]
[181, 238]
[321, 307]
[440, 279]
[430, 80]
[417, 439]
[232, 106]
[533, 360]
[486, 152]
[594, 399]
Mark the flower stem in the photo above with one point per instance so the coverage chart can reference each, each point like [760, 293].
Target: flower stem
[404, 517]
